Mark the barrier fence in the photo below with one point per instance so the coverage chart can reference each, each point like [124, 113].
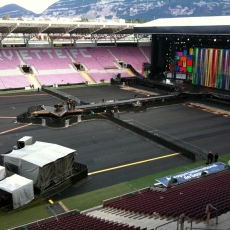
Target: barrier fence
[158, 138]
[62, 95]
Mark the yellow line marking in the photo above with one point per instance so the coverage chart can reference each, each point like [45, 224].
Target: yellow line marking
[6, 117]
[135, 163]
[10, 130]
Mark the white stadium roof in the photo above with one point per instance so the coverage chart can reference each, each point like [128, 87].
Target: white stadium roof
[219, 25]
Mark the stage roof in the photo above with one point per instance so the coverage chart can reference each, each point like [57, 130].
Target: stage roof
[217, 25]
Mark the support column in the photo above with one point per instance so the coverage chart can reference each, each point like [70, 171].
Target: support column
[173, 52]
[154, 55]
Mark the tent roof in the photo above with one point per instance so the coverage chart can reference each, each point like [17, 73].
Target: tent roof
[40, 153]
[37, 160]
[189, 25]
[25, 138]
[11, 184]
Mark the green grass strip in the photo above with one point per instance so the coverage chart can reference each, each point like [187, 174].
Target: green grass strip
[23, 217]
[18, 91]
[60, 87]
[95, 198]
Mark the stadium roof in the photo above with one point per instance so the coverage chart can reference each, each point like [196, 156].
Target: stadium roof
[54, 27]
[217, 25]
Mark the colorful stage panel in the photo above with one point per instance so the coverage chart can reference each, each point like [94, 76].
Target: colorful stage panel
[211, 68]
[183, 62]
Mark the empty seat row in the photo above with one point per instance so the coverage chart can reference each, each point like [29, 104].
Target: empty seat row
[80, 221]
[190, 199]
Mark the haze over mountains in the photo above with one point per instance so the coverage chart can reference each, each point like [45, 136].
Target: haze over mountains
[125, 9]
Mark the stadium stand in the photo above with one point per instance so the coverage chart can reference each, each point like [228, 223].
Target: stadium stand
[54, 66]
[10, 75]
[100, 76]
[131, 55]
[85, 56]
[147, 51]
[190, 199]
[46, 59]
[81, 221]
[104, 57]
[12, 82]
[60, 79]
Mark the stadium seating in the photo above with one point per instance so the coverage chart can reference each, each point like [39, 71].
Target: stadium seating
[81, 222]
[2, 86]
[46, 59]
[131, 55]
[8, 59]
[147, 50]
[53, 65]
[10, 75]
[16, 81]
[60, 79]
[103, 56]
[97, 77]
[191, 199]
[85, 56]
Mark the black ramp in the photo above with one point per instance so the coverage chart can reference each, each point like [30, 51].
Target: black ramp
[96, 94]
[15, 104]
[100, 144]
[205, 130]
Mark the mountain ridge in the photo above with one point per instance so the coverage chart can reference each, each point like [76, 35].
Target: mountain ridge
[125, 9]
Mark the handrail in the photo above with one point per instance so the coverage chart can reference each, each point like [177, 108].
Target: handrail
[166, 223]
[216, 213]
[174, 221]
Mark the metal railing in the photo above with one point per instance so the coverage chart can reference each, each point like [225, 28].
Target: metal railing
[62, 95]
[175, 220]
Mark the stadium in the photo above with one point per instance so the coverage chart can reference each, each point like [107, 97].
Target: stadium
[111, 125]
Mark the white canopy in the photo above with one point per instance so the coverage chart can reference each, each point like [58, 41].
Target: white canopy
[189, 21]
[41, 162]
[215, 25]
[44, 149]
[2, 172]
[21, 189]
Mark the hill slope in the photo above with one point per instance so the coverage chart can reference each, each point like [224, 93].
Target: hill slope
[126, 9]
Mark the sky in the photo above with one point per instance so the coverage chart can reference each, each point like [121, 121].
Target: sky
[36, 6]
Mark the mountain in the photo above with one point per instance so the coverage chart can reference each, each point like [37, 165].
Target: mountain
[15, 11]
[126, 9]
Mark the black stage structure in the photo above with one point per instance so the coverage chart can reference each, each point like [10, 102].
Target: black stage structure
[170, 35]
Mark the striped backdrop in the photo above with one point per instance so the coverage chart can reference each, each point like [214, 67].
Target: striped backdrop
[211, 68]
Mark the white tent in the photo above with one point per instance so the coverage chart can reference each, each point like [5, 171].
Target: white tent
[42, 162]
[21, 189]
[2, 172]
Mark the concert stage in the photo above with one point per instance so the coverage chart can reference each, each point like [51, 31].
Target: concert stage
[51, 110]
[192, 48]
